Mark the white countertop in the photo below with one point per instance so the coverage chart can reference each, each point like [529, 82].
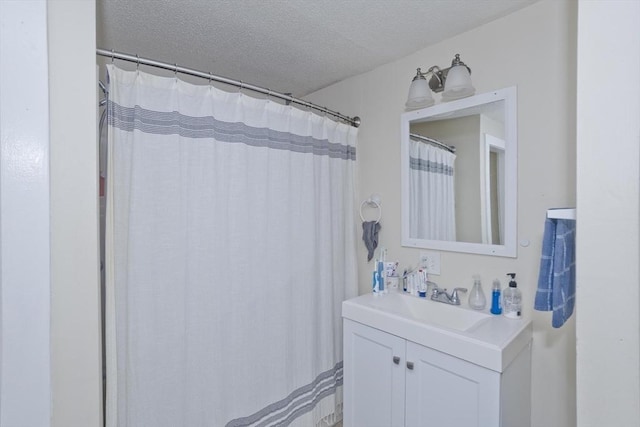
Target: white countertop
[492, 341]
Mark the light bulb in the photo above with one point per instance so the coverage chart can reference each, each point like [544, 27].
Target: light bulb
[419, 93]
[458, 83]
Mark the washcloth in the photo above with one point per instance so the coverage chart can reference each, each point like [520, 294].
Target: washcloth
[370, 236]
[557, 280]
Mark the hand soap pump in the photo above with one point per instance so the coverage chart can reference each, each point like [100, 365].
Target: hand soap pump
[496, 304]
[477, 300]
[512, 302]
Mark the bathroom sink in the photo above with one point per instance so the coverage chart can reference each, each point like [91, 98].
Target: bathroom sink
[476, 336]
[429, 312]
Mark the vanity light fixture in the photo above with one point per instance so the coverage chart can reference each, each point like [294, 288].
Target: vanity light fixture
[454, 83]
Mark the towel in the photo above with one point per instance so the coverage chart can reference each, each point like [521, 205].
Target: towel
[557, 280]
[370, 236]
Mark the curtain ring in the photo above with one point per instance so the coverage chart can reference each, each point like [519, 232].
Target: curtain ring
[288, 101]
[210, 76]
[137, 62]
[370, 201]
[112, 55]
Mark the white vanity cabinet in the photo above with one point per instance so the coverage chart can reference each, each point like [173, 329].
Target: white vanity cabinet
[390, 381]
[442, 390]
[374, 377]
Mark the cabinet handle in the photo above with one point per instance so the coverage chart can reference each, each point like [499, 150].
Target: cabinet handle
[410, 365]
[396, 360]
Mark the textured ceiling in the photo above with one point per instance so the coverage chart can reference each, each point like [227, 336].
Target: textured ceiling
[296, 46]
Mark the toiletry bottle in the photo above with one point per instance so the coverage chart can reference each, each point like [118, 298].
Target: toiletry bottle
[496, 304]
[405, 279]
[477, 300]
[380, 270]
[375, 282]
[512, 299]
[422, 285]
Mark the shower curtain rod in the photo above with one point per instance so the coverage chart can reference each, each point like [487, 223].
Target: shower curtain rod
[353, 121]
[449, 148]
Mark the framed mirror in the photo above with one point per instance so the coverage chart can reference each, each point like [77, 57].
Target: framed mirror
[459, 175]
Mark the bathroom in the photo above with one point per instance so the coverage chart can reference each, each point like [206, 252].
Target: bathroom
[535, 49]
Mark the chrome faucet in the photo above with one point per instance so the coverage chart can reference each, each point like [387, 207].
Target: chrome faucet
[441, 295]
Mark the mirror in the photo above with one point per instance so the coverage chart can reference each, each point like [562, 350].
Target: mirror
[462, 199]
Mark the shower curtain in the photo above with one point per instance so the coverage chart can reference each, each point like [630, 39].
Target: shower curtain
[431, 192]
[230, 247]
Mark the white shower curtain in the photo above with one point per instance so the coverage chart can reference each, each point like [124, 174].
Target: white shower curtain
[230, 246]
[431, 191]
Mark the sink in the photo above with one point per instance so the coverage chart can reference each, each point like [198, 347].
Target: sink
[429, 312]
[473, 335]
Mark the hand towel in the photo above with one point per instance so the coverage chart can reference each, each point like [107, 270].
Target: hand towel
[557, 279]
[370, 236]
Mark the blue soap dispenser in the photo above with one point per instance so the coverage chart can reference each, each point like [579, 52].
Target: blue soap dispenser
[496, 304]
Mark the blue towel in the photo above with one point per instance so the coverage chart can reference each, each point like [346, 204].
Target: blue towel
[557, 280]
[370, 231]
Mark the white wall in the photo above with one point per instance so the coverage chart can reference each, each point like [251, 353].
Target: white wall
[24, 215]
[608, 297]
[535, 50]
[75, 300]
[49, 312]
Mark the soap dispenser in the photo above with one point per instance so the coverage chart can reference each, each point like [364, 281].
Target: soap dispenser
[477, 300]
[512, 299]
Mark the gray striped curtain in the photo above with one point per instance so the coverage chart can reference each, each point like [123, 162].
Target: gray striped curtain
[431, 192]
[230, 247]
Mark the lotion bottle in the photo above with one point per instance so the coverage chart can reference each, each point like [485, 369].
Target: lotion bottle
[512, 299]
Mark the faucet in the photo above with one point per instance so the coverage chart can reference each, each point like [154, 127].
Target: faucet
[441, 295]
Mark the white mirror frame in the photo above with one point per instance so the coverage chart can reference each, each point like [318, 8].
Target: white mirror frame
[509, 248]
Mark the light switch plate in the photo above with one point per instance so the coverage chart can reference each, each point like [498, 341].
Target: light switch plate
[431, 261]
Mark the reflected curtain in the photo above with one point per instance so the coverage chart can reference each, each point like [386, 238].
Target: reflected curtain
[230, 247]
[431, 192]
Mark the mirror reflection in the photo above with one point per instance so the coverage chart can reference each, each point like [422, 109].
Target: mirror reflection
[459, 174]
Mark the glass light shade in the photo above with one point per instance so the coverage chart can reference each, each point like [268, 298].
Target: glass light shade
[458, 84]
[419, 94]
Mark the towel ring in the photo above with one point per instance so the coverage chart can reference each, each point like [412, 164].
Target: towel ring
[374, 203]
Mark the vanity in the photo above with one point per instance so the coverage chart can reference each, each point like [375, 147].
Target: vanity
[409, 361]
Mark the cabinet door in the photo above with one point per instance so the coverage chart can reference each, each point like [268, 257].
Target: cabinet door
[374, 372]
[444, 391]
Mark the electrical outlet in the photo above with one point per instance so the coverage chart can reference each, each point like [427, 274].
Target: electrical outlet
[431, 261]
